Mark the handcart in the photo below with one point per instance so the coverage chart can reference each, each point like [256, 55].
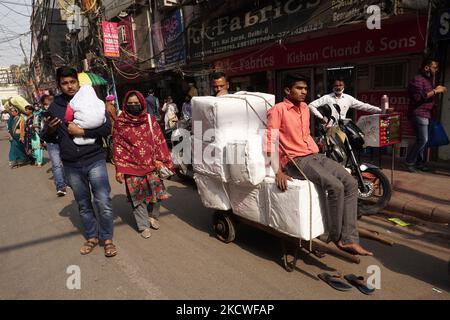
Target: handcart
[224, 224]
[217, 182]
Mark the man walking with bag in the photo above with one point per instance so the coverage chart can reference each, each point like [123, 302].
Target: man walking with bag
[422, 91]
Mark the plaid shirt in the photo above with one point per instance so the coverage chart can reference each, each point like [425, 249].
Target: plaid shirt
[419, 104]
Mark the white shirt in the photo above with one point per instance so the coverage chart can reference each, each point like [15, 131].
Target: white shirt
[345, 102]
[171, 110]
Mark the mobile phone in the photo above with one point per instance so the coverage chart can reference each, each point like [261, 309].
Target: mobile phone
[47, 114]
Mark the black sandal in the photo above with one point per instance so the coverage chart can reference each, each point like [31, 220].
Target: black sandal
[359, 283]
[334, 281]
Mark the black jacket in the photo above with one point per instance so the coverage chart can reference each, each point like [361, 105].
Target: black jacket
[74, 155]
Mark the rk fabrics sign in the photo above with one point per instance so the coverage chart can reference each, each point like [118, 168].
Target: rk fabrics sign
[274, 20]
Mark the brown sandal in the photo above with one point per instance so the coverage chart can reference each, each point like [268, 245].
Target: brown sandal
[110, 250]
[90, 245]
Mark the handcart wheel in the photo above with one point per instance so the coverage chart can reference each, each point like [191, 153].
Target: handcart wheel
[224, 227]
[289, 264]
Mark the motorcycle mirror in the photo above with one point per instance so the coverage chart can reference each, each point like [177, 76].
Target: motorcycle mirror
[325, 110]
[333, 118]
[338, 109]
[336, 106]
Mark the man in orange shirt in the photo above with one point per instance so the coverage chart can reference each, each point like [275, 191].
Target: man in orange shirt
[288, 124]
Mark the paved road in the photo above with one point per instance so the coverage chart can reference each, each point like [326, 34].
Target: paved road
[40, 236]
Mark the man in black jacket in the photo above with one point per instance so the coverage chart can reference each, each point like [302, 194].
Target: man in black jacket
[84, 165]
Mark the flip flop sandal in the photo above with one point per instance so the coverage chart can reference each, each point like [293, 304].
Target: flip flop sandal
[319, 254]
[359, 283]
[334, 281]
[110, 250]
[90, 245]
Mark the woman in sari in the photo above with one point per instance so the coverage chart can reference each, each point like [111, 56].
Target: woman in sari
[16, 130]
[33, 125]
[139, 152]
[36, 143]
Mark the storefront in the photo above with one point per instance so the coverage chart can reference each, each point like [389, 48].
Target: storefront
[373, 62]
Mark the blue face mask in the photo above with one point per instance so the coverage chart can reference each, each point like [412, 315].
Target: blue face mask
[134, 109]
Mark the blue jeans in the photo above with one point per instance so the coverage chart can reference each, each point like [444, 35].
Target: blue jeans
[57, 167]
[84, 180]
[417, 156]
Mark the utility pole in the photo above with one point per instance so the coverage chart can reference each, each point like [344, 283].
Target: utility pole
[30, 94]
[24, 54]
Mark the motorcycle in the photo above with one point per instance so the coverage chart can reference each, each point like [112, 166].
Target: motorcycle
[340, 142]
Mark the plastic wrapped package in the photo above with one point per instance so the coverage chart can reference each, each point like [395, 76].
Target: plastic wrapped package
[249, 202]
[209, 159]
[212, 192]
[289, 211]
[227, 118]
[246, 161]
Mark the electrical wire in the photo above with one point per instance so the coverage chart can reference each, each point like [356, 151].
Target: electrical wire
[9, 8]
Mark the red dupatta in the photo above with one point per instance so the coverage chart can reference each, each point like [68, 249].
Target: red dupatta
[134, 148]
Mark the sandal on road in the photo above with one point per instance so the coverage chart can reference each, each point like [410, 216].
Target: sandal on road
[359, 283]
[334, 281]
[88, 246]
[110, 250]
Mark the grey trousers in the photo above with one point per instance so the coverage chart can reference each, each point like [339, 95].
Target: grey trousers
[141, 214]
[341, 191]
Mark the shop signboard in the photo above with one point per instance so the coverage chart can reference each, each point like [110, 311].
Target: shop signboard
[272, 21]
[443, 25]
[111, 47]
[403, 37]
[168, 42]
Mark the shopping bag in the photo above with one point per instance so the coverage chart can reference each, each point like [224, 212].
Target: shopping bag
[437, 135]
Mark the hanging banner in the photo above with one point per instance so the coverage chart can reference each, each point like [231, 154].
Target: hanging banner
[168, 42]
[110, 39]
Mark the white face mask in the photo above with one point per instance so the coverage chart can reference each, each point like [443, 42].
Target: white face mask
[338, 92]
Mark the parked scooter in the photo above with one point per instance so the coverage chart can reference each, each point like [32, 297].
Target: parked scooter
[340, 142]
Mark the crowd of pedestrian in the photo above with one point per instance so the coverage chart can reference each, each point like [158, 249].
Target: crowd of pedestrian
[64, 126]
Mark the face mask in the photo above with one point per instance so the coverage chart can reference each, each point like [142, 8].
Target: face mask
[338, 92]
[134, 109]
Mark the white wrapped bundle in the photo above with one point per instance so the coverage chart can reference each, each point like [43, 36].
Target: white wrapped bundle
[249, 202]
[212, 192]
[289, 211]
[209, 160]
[246, 161]
[229, 117]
